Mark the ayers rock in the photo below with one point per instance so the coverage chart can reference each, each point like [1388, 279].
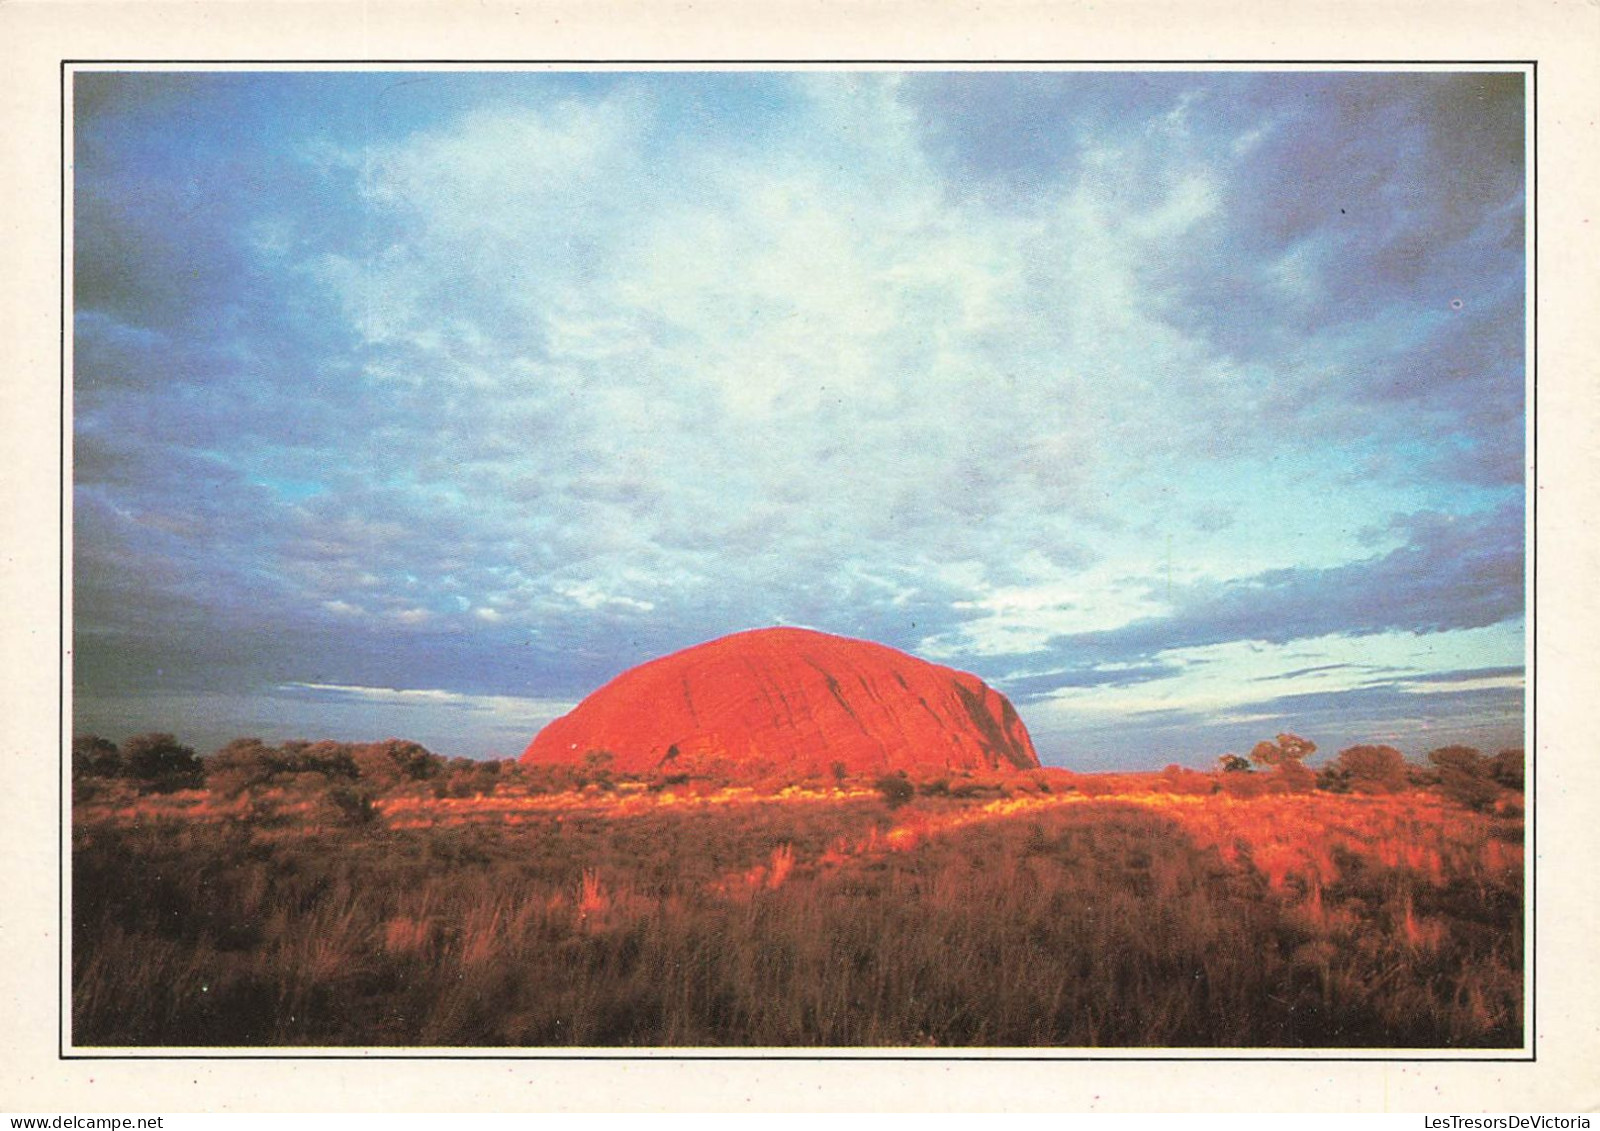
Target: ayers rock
[793, 702]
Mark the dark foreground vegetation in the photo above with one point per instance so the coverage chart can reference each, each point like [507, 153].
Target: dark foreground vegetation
[334, 895]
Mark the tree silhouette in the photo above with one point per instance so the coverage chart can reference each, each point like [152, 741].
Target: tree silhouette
[1372, 769]
[1289, 748]
[162, 764]
[1507, 768]
[95, 757]
[1287, 758]
[242, 764]
[1464, 775]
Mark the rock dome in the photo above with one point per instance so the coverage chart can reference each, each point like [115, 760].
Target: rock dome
[792, 702]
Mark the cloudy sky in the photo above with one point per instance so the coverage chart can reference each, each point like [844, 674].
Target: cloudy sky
[1183, 407]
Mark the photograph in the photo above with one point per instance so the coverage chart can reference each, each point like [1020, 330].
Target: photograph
[919, 559]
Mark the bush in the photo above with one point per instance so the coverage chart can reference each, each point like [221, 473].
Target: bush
[896, 789]
[547, 777]
[1507, 769]
[161, 764]
[393, 761]
[1372, 769]
[95, 757]
[1293, 777]
[1180, 780]
[1288, 748]
[1464, 759]
[1333, 779]
[333, 760]
[1244, 786]
[241, 765]
[352, 805]
[247, 763]
[1464, 776]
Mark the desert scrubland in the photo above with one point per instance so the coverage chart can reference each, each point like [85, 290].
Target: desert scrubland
[334, 895]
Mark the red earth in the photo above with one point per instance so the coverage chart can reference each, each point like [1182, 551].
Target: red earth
[790, 701]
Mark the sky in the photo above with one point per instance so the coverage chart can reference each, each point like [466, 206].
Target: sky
[1183, 407]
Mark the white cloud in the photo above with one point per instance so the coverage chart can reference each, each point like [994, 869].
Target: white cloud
[1211, 680]
[508, 706]
[728, 377]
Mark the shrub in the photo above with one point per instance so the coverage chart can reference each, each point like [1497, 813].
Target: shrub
[547, 777]
[393, 761]
[1464, 776]
[248, 763]
[1180, 780]
[95, 757]
[242, 764]
[161, 764]
[1287, 748]
[1372, 769]
[333, 760]
[1293, 777]
[1466, 759]
[896, 789]
[1333, 779]
[1507, 768]
[1244, 785]
[353, 806]
[597, 770]
[1421, 776]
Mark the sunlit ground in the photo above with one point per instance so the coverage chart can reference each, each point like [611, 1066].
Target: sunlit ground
[1049, 910]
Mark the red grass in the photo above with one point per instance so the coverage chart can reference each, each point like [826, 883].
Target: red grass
[1028, 913]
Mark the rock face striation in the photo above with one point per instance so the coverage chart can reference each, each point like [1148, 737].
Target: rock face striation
[794, 702]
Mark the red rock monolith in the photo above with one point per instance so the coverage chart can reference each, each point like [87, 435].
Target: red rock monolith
[790, 702]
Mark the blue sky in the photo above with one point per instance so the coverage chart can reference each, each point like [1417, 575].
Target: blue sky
[1183, 407]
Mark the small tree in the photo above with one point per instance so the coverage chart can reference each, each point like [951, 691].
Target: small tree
[160, 763]
[1289, 748]
[1464, 776]
[95, 757]
[466, 777]
[1507, 768]
[1333, 778]
[393, 761]
[1463, 759]
[242, 764]
[1287, 757]
[1233, 764]
[1372, 769]
[333, 760]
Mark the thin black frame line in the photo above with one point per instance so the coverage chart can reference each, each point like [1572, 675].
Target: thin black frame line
[62, 423]
[1530, 492]
[998, 64]
[787, 1056]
